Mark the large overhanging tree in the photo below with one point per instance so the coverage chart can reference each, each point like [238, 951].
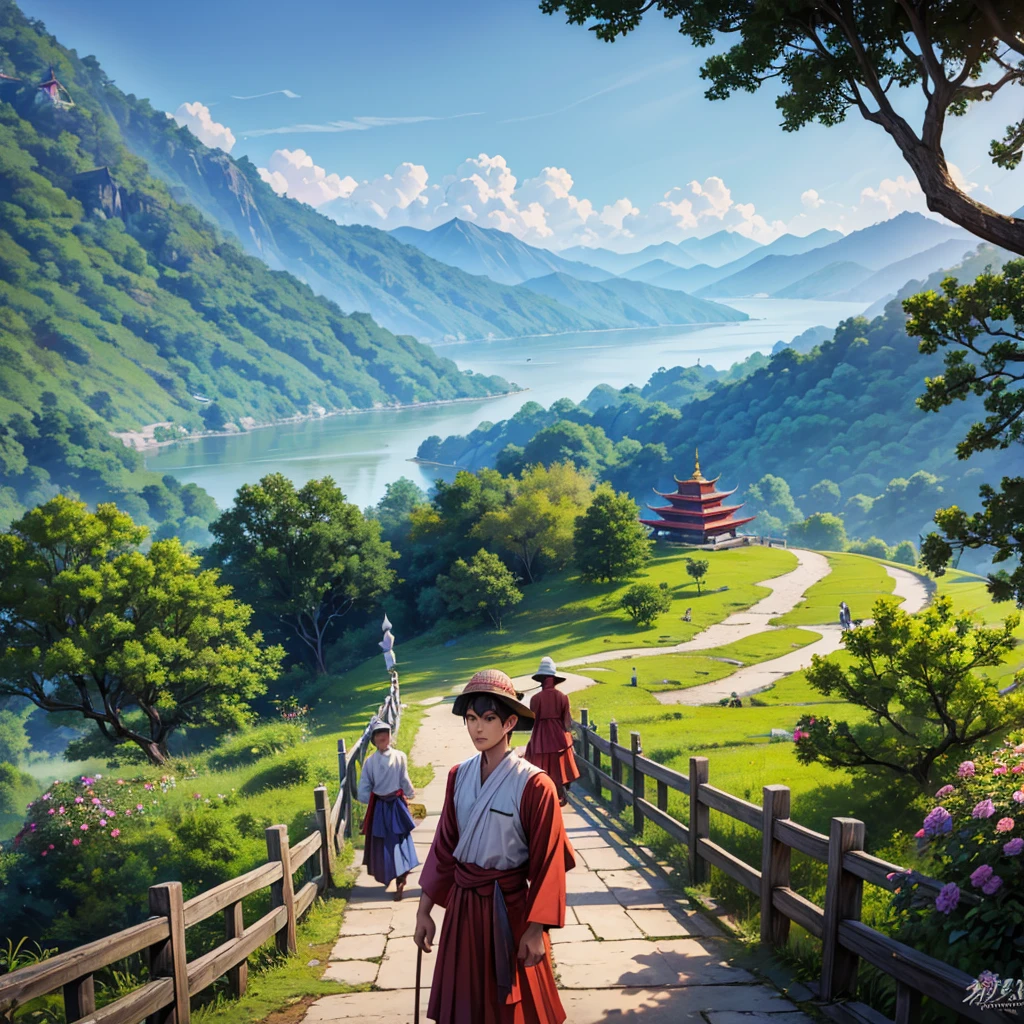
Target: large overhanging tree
[139, 643]
[834, 56]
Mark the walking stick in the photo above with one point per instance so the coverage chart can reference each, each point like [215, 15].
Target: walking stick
[419, 969]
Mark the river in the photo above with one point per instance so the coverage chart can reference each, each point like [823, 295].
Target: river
[365, 451]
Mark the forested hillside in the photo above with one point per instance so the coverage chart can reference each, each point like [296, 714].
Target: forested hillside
[845, 412]
[120, 307]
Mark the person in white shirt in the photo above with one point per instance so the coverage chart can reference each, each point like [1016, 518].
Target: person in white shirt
[384, 786]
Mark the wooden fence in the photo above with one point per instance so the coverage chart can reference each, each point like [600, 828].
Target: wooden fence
[845, 939]
[173, 979]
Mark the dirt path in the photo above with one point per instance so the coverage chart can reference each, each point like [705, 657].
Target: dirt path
[632, 944]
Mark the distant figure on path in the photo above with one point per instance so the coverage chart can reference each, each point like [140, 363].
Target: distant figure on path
[844, 615]
[497, 865]
[384, 786]
[734, 701]
[550, 746]
[633, 677]
[686, 616]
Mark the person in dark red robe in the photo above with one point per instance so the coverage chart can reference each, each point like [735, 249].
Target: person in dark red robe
[497, 865]
[550, 746]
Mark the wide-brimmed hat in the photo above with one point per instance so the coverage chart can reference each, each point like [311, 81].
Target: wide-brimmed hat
[547, 668]
[492, 682]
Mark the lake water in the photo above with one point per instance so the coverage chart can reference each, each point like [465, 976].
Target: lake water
[365, 451]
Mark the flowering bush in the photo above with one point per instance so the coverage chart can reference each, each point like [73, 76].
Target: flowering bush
[87, 811]
[973, 841]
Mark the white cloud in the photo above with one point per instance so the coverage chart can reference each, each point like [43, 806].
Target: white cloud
[196, 118]
[287, 93]
[547, 210]
[292, 172]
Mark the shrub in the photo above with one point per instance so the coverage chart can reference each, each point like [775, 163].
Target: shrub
[905, 553]
[974, 840]
[287, 770]
[645, 602]
[255, 744]
[873, 546]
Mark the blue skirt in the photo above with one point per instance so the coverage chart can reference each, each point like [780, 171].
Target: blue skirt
[389, 851]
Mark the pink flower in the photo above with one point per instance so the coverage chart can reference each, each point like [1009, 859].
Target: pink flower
[51, 846]
[1018, 796]
[984, 809]
[79, 799]
[1000, 769]
[128, 813]
[966, 769]
[1004, 825]
[114, 833]
[120, 782]
[1017, 768]
[992, 885]
[84, 827]
[919, 834]
[139, 807]
[149, 785]
[96, 801]
[45, 852]
[51, 811]
[981, 875]
[945, 791]
[46, 796]
[76, 842]
[197, 796]
[1013, 847]
[103, 821]
[60, 810]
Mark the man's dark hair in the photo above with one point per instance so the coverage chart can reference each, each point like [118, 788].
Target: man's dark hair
[481, 703]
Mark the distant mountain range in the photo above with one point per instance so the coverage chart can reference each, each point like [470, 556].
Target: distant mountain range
[714, 250]
[496, 254]
[634, 303]
[839, 266]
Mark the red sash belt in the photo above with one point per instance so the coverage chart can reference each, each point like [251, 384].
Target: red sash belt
[372, 803]
[496, 883]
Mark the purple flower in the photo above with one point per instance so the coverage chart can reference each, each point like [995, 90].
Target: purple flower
[945, 791]
[966, 769]
[948, 898]
[992, 885]
[985, 809]
[981, 875]
[938, 821]
[1013, 847]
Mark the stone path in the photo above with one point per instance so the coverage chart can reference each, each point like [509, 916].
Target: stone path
[632, 947]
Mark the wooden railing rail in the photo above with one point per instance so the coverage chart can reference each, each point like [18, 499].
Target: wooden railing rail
[174, 980]
[846, 940]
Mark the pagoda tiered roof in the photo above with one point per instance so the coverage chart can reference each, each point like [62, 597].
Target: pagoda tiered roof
[695, 512]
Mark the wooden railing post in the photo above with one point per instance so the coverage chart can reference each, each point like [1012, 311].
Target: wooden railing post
[775, 862]
[638, 784]
[167, 958]
[613, 736]
[282, 893]
[843, 893]
[323, 824]
[79, 998]
[595, 757]
[662, 796]
[700, 821]
[234, 925]
[908, 1004]
[584, 735]
[342, 763]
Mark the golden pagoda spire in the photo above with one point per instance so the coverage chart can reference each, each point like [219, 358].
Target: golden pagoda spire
[696, 465]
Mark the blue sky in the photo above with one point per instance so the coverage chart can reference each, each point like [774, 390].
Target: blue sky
[626, 120]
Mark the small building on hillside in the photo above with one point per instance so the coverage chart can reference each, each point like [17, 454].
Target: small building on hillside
[97, 190]
[51, 91]
[695, 513]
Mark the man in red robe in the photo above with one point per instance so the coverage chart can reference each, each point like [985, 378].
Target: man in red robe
[497, 865]
[550, 746]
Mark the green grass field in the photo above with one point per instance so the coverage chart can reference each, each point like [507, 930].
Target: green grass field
[855, 579]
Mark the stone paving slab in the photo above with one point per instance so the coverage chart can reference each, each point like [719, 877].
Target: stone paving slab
[608, 922]
[359, 947]
[352, 972]
[658, 924]
[571, 933]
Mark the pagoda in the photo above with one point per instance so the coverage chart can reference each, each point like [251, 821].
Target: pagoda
[52, 91]
[695, 513]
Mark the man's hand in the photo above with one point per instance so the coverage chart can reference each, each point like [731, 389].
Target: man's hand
[424, 934]
[531, 945]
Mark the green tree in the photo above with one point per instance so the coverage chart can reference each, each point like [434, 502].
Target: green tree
[825, 496]
[304, 558]
[917, 678]
[13, 738]
[481, 586]
[401, 496]
[696, 569]
[141, 644]
[538, 519]
[905, 553]
[832, 58]
[982, 327]
[821, 531]
[585, 446]
[771, 500]
[645, 602]
[611, 542]
[873, 546]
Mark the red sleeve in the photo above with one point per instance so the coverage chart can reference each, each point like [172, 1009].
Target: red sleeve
[438, 872]
[550, 853]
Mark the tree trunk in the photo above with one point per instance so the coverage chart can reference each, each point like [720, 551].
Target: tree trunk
[156, 752]
[943, 196]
